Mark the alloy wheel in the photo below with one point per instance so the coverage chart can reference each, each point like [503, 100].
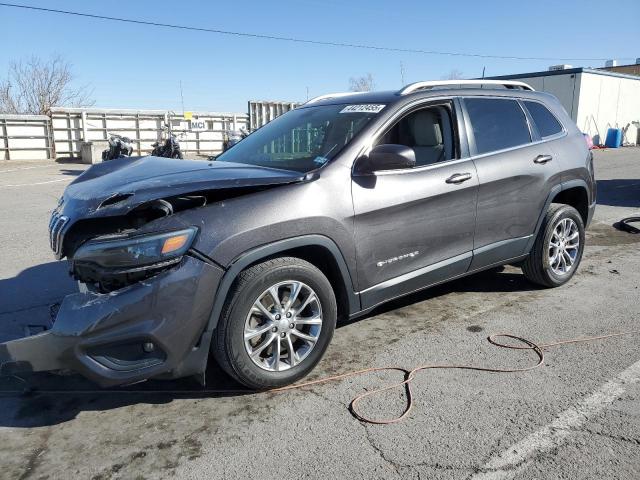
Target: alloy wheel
[283, 326]
[564, 245]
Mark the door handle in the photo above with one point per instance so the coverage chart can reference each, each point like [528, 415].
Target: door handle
[458, 178]
[542, 159]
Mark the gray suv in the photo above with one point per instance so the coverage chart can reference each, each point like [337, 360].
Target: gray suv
[332, 209]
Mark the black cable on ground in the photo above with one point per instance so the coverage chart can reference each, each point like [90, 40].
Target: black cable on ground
[625, 225]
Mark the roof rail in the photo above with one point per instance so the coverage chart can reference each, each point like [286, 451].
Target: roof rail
[331, 95]
[413, 87]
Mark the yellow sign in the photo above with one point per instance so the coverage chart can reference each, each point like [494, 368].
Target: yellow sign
[188, 115]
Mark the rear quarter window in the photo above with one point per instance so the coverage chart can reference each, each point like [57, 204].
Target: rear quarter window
[545, 121]
[497, 123]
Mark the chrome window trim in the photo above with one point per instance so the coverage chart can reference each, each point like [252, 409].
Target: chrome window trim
[505, 150]
[375, 136]
[433, 166]
[518, 100]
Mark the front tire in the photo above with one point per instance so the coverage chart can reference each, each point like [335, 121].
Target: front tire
[276, 324]
[558, 248]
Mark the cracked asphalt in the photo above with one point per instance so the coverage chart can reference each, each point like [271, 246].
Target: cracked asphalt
[578, 416]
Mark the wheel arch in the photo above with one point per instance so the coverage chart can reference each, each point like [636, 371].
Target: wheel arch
[318, 250]
[575, 191]
[576, 196]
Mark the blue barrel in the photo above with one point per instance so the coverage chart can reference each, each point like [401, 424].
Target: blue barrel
[614, 138]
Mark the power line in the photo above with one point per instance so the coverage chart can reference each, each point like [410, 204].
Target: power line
[288, 39]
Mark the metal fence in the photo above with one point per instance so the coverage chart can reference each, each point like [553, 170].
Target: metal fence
[201, 135]
[25, 137]
[40, 137]
[262, 112]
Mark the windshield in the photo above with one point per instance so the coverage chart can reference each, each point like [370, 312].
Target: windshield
[302, 139]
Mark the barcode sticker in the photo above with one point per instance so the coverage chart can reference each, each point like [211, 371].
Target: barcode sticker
[367, 108]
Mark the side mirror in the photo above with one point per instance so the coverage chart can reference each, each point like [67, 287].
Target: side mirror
[386, 157]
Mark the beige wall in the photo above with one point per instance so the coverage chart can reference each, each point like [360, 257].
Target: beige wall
[628, 69]
[608, 102]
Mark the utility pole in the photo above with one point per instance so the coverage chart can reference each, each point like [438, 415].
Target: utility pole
[181, 98]
[402, 74]
[307, 94]
[483, 71]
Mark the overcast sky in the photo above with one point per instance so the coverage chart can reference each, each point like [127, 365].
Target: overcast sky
[132, 66]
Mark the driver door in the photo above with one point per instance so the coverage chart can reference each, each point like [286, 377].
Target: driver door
[414, 227]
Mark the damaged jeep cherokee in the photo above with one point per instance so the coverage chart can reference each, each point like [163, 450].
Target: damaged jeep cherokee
[344, 203]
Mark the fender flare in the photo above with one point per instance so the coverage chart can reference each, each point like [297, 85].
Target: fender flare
[254, 255]
[196, 361]
[555, 190]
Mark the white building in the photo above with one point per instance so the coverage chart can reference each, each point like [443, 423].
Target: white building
[595, 99]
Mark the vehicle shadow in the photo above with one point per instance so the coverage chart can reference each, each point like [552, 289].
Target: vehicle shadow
[70, 160]
[38, 286]
[619, 192]
[43, 399]
[72, 172]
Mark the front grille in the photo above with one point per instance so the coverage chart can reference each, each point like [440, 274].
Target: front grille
[56, 227]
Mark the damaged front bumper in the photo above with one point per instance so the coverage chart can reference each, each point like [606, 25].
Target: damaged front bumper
[149, 329]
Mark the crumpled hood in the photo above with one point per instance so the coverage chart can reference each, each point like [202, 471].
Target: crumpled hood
[139, 180]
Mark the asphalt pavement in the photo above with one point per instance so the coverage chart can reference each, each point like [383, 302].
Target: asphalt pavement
[577, 416]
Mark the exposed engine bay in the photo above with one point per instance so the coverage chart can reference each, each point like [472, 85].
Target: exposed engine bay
[92, 214]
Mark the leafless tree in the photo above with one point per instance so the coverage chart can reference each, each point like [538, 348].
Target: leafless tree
[35, 86]
[362, 84]
[454, 74]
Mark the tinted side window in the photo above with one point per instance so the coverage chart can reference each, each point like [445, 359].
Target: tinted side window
[497, 123]
[545, 121]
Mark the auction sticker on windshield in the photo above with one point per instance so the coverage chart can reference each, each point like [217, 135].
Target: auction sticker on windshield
[367, 108]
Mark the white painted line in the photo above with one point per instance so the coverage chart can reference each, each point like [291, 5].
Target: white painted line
[37, 183]
[29, 168]
[515, 459]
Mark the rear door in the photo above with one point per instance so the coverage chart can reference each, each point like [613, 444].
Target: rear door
[414, 227]
[516, 171]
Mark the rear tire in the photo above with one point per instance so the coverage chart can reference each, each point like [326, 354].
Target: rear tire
[557, 251]
[248, 355]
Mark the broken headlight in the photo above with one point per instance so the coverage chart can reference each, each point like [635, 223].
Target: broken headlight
[136, 251]
[112, 264]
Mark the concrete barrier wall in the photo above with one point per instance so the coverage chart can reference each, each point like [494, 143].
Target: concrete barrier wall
[25, 137]
[72, 126]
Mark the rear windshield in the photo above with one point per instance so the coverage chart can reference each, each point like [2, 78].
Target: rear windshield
[302, 139]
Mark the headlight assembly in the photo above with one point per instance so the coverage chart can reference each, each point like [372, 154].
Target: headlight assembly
[136, 253]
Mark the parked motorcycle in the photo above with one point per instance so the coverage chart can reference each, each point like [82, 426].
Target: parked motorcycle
[169, 149]
[119, 147]
[232, 137]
